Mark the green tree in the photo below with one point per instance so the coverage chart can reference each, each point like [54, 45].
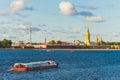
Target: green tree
[5, 43]
[98, 44]
[58, 42]
[112, 43]
[85, 46]
[9, 43]
[52, 42]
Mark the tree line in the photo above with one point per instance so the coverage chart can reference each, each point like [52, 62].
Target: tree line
[55, 42]
[5, 43]
[112, 43]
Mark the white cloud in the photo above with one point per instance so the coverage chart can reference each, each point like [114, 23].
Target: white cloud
[20, 30]
[27, 28]
[3, 12]
[67, 8]
[17, 5]
[95, 19]
[22, 26]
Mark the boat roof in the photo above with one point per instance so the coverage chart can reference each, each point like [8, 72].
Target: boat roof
[35, 63]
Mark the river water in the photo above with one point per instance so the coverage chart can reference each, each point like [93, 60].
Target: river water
[73, 65]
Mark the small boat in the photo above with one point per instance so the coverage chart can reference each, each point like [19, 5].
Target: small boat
[49, 50]
[34, 65]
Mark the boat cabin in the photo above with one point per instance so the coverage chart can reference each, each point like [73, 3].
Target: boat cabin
[34, 64]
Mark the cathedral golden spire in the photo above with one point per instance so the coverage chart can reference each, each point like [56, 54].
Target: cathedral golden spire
[96, 39]
[87, 24]
[87, 36]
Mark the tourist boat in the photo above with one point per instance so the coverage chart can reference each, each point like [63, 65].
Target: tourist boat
[34, 65]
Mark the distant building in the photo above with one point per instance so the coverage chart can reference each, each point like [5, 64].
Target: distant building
[45, 41]
[17, 44]
[96, 40]
[40, 46]
[64, 43]
[35, 46]
[82, 43]
[76, 42]
[87, 36]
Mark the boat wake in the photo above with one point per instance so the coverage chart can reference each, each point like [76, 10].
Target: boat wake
[8, 70]
[5, 71]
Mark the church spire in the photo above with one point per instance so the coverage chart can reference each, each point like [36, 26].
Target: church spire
[45, 41]
[96, 39]
[87, 37]
[87, 24]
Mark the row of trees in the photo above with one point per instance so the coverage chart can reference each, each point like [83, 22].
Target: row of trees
[55, 42]
[5, 43]
[112, 43]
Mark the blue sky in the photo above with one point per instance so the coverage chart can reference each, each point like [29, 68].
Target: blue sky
[59, 19]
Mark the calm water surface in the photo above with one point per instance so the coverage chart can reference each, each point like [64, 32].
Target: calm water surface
[77, 65]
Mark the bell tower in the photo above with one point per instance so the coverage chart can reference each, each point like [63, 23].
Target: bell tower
[87, 35]
[96, 39]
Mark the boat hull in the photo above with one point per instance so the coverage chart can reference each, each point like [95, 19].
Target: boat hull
[34, 68]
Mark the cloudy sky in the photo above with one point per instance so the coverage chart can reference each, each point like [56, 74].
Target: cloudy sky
[59, 19]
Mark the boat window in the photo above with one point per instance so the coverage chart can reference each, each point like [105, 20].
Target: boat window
[24, 66]
[16, 66]
[19, 66]
[48, 62]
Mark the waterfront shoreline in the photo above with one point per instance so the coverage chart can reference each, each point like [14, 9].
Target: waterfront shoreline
[54, 49]
[79, 49]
